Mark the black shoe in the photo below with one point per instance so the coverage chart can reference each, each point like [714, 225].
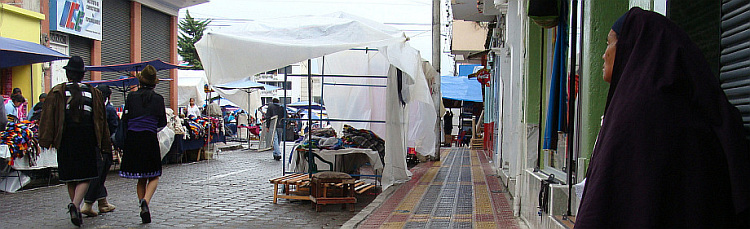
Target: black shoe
[277, 158]
[75, 216]
[145, 214]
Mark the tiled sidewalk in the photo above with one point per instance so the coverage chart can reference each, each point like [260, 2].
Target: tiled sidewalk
[460, 191]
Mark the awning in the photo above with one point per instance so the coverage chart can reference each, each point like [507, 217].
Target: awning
[461, 88]
[18, 53]
[304, 105]
[133, 67]
[121, 83]
[247, 84]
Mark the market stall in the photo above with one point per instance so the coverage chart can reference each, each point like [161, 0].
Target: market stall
[235, 52]
[18, 147]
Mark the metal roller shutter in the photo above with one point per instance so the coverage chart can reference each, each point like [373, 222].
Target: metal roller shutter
[81, 46]
[115, 40]
[155, 32]
[735, 55]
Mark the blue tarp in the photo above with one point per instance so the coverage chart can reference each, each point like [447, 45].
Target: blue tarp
[18, 53]
[246, 84]
[133, 67]
[122, 82]
[461, 88]
[466, 69]
[556, 108]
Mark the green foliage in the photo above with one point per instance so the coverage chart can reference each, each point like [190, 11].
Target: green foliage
[191, 31]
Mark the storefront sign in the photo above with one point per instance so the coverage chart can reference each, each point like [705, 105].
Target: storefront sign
[79, 17]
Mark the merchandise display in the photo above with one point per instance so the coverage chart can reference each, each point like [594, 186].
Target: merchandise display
[21, 140]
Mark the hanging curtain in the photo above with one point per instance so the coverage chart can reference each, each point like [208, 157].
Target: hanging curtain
[556, 109]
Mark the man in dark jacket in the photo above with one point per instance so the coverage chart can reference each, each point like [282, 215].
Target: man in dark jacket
[36, 111]
[275, 109]
[97, 192]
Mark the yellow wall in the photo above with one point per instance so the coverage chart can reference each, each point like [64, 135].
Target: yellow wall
[21, 24]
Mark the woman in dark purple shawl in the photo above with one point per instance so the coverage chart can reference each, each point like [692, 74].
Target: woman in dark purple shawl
[671, 152]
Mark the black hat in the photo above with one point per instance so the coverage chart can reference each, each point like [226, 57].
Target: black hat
[75, 64]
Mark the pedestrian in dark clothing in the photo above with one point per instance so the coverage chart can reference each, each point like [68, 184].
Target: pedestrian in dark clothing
[671, 152]
[448, 127]
[36, 111]
[74, 123]
[275, 109]
[97, 192]
[144, 116]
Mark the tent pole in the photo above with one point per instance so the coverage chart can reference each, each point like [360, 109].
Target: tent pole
[309, 118]
[283, 153]
[322, 83]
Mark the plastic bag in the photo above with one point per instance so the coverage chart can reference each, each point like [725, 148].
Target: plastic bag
[166, 137]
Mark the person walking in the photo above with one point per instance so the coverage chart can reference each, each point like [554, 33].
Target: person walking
[671, 152]
[97, 192]
[448, 127]
[74, 123]
[144, 116]
[275, 109]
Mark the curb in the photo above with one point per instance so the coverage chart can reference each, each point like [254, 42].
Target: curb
[370, 208]
[231, 147]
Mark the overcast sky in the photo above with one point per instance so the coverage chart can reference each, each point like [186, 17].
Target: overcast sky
[414, 17]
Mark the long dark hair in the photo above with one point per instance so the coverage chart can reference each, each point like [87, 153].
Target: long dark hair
[147, 95]
[76, 100]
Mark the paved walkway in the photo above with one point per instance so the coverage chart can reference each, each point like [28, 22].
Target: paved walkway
[231, 191]
[460, 191]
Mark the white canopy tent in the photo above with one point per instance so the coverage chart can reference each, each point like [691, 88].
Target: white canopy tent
[190, 85]
[235, 52]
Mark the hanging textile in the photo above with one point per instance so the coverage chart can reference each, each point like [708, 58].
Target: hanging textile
[556, 109]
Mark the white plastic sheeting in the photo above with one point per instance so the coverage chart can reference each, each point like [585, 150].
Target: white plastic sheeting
[236, 52]
[190, 85]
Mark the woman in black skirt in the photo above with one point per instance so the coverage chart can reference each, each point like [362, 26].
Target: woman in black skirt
[144, 116]
[74, 123]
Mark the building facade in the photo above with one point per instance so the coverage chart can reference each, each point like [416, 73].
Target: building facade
[520, 55]
[108, 32]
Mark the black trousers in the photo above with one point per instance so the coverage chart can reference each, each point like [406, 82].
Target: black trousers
[96, 187]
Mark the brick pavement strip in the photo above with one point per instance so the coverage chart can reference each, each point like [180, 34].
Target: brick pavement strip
[229, 191]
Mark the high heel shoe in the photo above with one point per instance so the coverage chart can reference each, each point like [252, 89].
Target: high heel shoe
[75, 216]
[145, 214]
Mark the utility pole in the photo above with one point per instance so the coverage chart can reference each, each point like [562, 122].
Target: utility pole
[436, 53]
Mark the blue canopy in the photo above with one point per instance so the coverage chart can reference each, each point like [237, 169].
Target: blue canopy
[122, 83]
[133, 67]
[461, 88]
[305, 105]
[18, 53]
[246, 84]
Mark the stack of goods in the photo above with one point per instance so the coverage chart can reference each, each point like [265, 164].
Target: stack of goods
[200, 127]
[20, 139]
[361, 138]
[174, 122]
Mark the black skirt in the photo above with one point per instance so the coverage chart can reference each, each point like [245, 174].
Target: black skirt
[141, 157]
[76, 157]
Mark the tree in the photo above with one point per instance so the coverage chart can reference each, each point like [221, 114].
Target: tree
[191, 31]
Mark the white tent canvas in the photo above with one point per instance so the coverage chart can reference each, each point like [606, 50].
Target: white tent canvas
[190, 85]
[236, 52]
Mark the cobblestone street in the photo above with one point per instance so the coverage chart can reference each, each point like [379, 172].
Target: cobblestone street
[229, 191]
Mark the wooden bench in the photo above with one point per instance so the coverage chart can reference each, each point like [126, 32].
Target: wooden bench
[296, 187]
[359, 186]
[293, 187]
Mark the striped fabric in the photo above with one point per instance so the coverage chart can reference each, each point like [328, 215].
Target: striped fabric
[88, 99]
